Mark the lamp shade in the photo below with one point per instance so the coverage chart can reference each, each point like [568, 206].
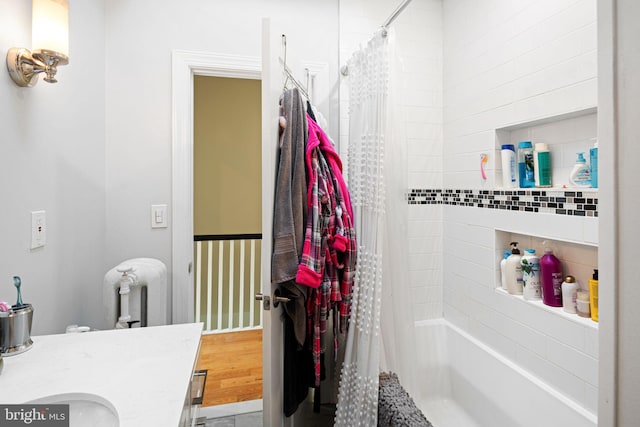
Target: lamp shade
[50, 26]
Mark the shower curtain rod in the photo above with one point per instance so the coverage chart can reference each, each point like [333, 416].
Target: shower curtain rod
[396, 13]
[345, 69]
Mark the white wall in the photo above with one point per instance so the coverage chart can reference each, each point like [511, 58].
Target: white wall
[52, 150]
[507, 63]
[94, 150]
[140, 38]
[419, 42]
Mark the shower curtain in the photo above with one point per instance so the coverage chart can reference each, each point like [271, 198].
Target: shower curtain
[381, 323]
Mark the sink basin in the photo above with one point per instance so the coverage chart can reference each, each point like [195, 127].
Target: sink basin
[84, 409]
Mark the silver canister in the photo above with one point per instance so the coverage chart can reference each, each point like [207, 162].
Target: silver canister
[15, 330]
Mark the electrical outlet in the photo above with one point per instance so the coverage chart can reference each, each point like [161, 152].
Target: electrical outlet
[38, 229]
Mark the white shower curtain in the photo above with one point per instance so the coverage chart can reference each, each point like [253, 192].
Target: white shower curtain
[381, 323]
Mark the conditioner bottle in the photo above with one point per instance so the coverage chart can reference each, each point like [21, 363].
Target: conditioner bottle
[551, 279]
[542, 165]
[530, 275]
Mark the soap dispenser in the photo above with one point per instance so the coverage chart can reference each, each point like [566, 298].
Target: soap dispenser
[514, 271]
[580, 175]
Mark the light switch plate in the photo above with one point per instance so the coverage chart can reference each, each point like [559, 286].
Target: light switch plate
[158, 216]
[38, 229]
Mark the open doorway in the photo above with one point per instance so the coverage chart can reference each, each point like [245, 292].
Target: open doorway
[227, 237]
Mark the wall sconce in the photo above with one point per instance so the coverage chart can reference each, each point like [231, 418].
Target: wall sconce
[50, 44]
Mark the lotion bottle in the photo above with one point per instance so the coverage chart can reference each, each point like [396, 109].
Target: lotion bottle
[514, 271]
[531, 275]
[569, 294]
[580, 174]
[503, 270]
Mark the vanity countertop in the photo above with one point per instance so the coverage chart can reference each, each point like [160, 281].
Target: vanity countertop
[144, 372]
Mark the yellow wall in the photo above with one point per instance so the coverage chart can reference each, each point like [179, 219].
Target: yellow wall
[227, 156]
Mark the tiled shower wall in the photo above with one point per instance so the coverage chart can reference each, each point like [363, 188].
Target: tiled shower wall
[419, 41]
[508, 64]
[477, 72]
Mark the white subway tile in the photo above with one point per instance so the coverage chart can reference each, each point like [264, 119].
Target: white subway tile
[574, 361]
[419, 295]
[425, 180]
[420, 311]
[426, 228]
[591, 398]
[493, 339]
[552, 374]
[591, 342]
[425, 245]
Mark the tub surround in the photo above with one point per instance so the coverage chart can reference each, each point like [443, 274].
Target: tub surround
[472, 385]
[145, 373]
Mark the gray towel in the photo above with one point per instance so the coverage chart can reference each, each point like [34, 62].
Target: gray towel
[290, 207]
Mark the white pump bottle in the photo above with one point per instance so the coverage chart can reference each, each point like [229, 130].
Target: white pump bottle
[513, 271]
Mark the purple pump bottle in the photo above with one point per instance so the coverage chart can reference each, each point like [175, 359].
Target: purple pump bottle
[551, 279]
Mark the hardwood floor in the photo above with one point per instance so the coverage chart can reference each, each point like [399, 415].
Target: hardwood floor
[234, 362]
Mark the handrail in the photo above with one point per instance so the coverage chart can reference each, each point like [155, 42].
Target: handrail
[216, 237]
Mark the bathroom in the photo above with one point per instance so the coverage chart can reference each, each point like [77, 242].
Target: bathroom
[95, 150]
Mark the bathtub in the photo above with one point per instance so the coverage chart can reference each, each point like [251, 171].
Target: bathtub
[464, 383]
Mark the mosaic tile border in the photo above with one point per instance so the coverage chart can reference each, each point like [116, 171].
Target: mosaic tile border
[559, 202]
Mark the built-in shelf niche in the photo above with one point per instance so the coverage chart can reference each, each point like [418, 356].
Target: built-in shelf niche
[565, 134]
[579, 259]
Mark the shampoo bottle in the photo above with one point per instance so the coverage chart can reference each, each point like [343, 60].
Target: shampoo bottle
[569, 294]
[580, 174]
[525, 165]
[551, 279]
[542, 165]
[593, 163]
[514, 271]
[531, 275]
[593, 295]
[508, 166]
[503, 269]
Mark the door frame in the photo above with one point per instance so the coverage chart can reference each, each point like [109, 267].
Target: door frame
[186, 65]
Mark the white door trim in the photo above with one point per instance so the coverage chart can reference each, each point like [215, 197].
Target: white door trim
[186, 64]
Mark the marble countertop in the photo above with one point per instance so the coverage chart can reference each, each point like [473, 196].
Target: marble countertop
[144, 372]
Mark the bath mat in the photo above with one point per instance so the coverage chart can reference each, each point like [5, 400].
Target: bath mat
[395, 407]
